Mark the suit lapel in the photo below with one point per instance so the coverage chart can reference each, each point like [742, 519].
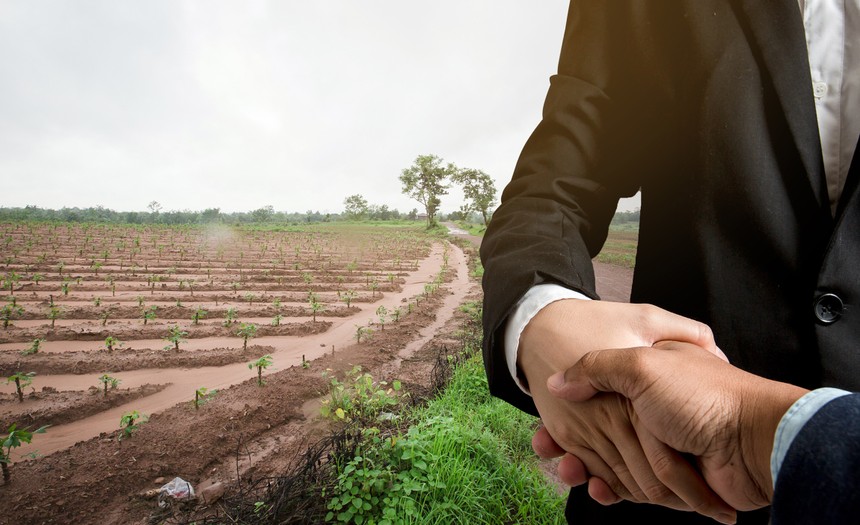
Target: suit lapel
[776, 28]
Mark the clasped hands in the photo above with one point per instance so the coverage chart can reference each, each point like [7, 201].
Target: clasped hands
[660, 417]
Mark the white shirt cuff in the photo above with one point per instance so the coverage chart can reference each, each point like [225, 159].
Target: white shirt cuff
[793, 421]
[531, 303]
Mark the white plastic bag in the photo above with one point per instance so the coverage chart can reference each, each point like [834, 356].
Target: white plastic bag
[176, 489]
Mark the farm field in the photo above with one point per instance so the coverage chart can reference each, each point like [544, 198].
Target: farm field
[620, 246]
[101, 321]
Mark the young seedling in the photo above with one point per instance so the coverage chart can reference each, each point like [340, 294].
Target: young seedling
[109, 381]
[97, 301]
[13, 439]
[140, 301]
[130, 422]
[105, 316]
[396, 314]
[199, 314]
[315, 306]
[65, 286]
[8, 312]
[261, 364]
[11, 280]
[277, 320]
[277, 304]
[37, 277]
[148, 314]
[112, 342]
[382, 312]
[347, 297]
[202, 395]
[250, 298]
[230, 317]
[246, 331]
[34, 347]
[175, 335]
[21, 381]
[362, 331]
[305, 363]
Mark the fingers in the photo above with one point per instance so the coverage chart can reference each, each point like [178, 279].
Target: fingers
[572, 471]
[545, 446]
[601, 493]
[677, 476]
[644, 484]
[616, 456]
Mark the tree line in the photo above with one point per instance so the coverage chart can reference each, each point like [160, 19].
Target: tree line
[100, 214]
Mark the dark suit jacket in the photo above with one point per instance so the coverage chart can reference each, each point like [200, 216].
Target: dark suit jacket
[707, 106]
[820, 476]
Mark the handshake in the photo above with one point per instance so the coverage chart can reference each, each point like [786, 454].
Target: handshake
[674, 424]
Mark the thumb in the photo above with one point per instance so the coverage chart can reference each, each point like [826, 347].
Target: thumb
[611, 370]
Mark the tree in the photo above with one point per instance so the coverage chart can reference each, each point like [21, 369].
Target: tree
[355, 206]
[479, 188]
[263, 214]
[425, 180]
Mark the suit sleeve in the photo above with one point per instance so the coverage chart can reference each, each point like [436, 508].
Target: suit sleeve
[819, 479]
[556, 210]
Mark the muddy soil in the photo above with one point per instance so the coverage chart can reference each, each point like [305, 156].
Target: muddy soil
[99, 362]
[52, 407]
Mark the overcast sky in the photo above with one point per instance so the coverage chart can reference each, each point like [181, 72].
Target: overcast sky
[242, 104]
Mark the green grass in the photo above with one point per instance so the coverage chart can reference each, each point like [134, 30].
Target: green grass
[466, 458]
[479, 270]
[472, 228]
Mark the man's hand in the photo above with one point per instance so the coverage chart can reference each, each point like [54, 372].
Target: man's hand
[696, 404]
[620, 457]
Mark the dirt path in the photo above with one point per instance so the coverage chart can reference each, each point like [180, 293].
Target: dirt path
[182, 382]
[613, 282]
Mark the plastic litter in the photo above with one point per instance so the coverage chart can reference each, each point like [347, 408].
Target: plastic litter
[176, 489]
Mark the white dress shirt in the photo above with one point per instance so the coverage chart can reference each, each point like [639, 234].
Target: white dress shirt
[832, 30]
